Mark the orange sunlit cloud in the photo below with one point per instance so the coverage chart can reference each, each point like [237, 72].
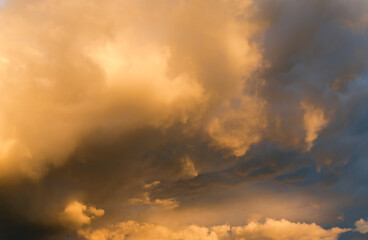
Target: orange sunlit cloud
[183, 119]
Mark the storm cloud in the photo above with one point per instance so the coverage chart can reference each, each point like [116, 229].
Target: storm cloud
[184, 119]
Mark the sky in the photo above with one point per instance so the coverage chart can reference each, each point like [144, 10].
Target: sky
[184, 119]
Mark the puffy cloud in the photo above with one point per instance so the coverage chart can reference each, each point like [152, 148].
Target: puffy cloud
[314, 121]
[361, 226]
[135, 230]
[77, 214]
[239, 124]
[284, 229]
[85, 71]
[89, 67]
[193, 97]
[270, 229]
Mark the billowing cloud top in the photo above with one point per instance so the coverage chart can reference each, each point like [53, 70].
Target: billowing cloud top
[228, 119]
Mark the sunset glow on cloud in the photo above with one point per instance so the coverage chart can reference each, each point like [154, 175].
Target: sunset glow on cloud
[184, 119]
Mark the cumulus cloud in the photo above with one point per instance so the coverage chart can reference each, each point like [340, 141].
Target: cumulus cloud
[284, 229]
[361, 226]
[270, 229]
[83, 70]
[192, 98]
[77, 214]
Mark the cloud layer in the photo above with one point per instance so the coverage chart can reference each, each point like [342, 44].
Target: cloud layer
[133, 118]
[270, 229]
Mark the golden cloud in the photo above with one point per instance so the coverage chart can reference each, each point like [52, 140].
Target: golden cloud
[270, 229]
[86, 66]
[77, 214]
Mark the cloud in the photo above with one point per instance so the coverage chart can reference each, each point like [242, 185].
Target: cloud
[314, 121]
[145, 199]
[284, 229]
[151, 185]
[85, 70]
[189, 170]
[108, 74]
[240, 126]
[177, 105]
[2, 3]
[77, 214]
[270, 229]
[361, 226]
